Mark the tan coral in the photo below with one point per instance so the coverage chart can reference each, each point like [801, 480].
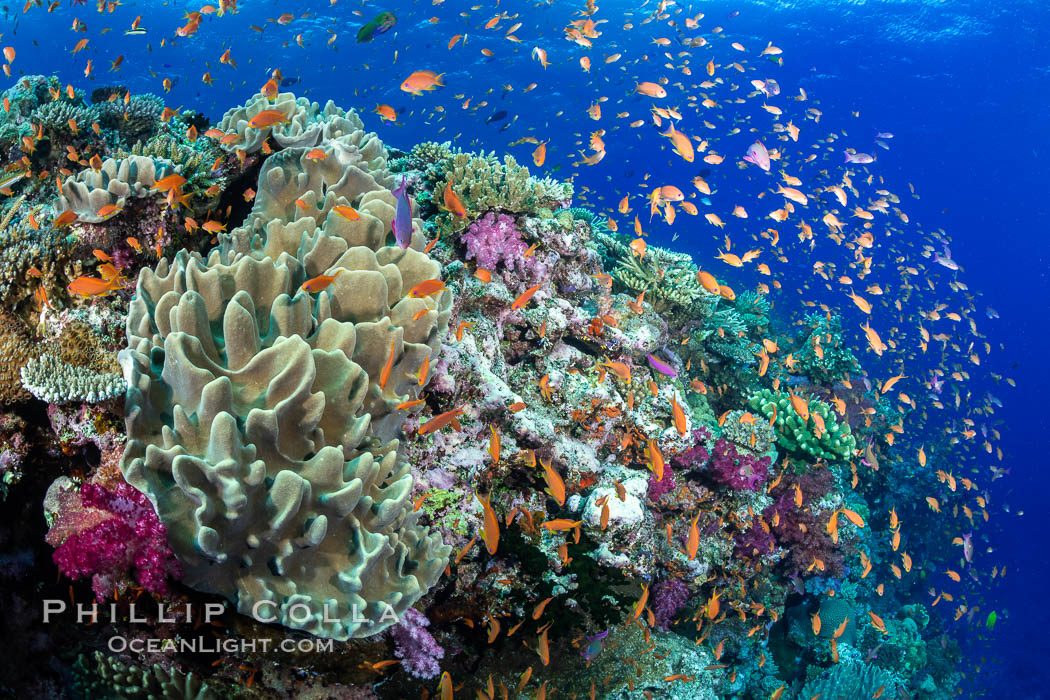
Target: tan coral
[256, 422]
[306, 125]
[89, 190]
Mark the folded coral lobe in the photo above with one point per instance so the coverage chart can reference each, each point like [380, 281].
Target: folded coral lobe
[256, 423]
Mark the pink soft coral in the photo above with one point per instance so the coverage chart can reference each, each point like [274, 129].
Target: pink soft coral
[106, 534]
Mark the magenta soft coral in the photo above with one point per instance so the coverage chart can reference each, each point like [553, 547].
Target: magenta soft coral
[493, 240]
[107, 534]
[737, 470]
[800, 531]
[415, 646]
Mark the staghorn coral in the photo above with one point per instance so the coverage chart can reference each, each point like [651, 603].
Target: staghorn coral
[50, 379]
[262, 401]
[667, 278]
[822, 435]
[100, 676]
[89, 190]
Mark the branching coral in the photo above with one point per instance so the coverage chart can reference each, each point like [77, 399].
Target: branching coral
[748, 432]
[824, 355]
[819, 434]
[483, 183]
[667, 278]
[50, 379]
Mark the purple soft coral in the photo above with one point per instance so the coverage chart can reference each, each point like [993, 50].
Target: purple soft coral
[105, 534]
[736, 470]
[418, 650]
[664, 485]
[493, 240]
[668, 598]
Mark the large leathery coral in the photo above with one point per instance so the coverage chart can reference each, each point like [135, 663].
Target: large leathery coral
[116, 180]
[256, 423]
[305, 124]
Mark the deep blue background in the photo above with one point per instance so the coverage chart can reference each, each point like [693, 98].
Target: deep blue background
[961, 84]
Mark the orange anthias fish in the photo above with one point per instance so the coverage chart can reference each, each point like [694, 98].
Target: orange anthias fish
[522, 300]
[93, 286]
[267, 118]
[452, 202]
[426, 288]
[345, 212]
[490, 523]
[422, 81]
[440, 421]
[320, 282]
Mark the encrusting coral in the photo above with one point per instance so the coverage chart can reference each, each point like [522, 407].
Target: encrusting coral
[278, 410]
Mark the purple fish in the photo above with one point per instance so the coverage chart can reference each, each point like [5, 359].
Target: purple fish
[662, 367]
[860, 158]
[402, 223]
[967, 544]
[594, 646]
[758, 155]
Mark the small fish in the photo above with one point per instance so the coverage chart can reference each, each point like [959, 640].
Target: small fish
[426, 288]
[316, 284]
[859, 158]
[401, 225]
[452, 202]
[758, 155]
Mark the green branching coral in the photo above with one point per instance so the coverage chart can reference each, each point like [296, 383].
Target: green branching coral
[821, 435]
[824, 356]
[725, 333]
[256, 421]
[667, 278]
[851, 679]
[753, 308]
[101, 676]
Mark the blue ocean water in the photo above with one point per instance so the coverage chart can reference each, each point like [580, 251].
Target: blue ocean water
[959, 84]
